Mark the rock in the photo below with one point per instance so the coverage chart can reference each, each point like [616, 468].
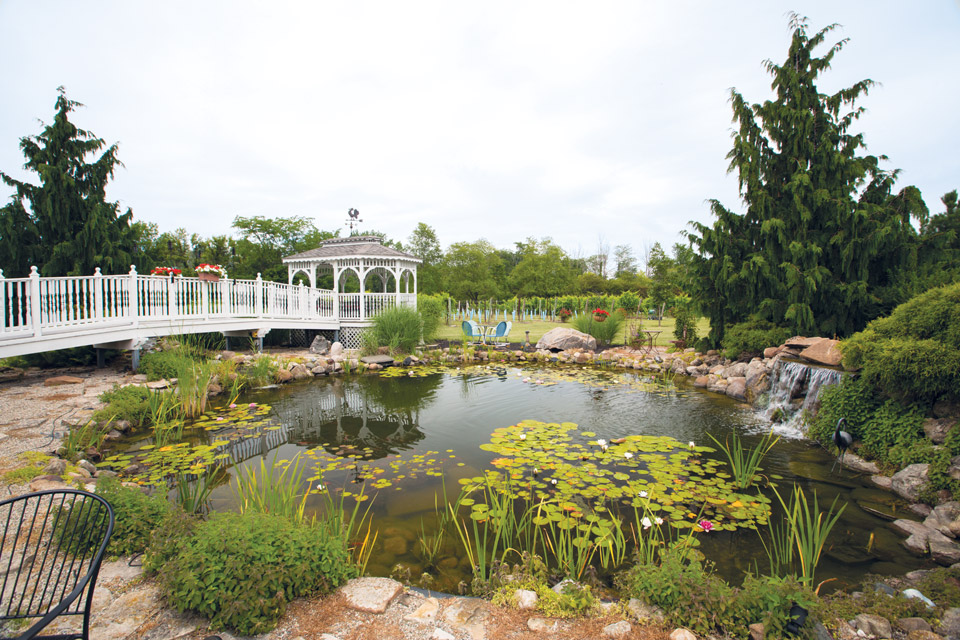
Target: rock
[937, 428]
[855, 462]
[106, 473]
[123, 426]
[10, 373]
[382, 360]
[682, 634]
[113, 435]
[909, 481]
[823, 351]
[56, 467]
[942, 517]
[336, 349]
[395, 546]
[320, 345]
[87, 466]
[950, 623]
[426, 612]
[756, 631]
[769, 352]
[874, 625]
[542, 625]
[943, 550]
[214, 389]
[93, 454]
[468, 615]
[758, 382]
[644, 612]
[799, 342]
[440, 634]
[158, 384]
[125, 614]
[737, 388]
[914, 624]
[954, 469]
[44, 483]
[525, 599]
[701, 382]
[300, 372]
[883, 482]
[57, 381]
[284, 375]
[944, 408]
[738, 370]
[922, 634]
[372, 595]
[820, 632]
[617, 629]
[561, 339]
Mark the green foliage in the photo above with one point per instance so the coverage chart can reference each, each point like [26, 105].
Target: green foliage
[397, 327]
[262, 372]
[166, 541]
[431, 309]
[473, 271]
[130, 403]
[80, 438]
[242, 570]
[691, 596]
[263, 491]
[914, 353]
[745, 464]
[752, 336]
[824, 245]
[543, 270]
[164, 363]
[846, 606]
[605, 332]
[137, 516]
[629, 302]
[685, 322]
[64, 224]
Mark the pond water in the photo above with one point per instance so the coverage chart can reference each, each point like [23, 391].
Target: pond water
[401, 439]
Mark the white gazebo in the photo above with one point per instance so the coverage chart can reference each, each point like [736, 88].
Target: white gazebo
[372, 264]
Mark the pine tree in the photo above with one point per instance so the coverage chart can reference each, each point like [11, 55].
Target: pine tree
[64, 224]
[824, 245]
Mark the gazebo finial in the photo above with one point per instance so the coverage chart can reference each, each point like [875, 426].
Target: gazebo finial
[353, 218]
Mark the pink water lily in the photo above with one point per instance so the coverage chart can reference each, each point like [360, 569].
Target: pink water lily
[233, 406]
[706, 525]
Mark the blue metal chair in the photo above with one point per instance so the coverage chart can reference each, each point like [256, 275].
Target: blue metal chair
[471, 330]
[498, 333]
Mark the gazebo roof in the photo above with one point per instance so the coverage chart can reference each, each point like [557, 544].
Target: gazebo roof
[351, 247]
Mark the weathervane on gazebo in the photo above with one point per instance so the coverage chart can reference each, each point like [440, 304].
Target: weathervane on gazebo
[354, 218]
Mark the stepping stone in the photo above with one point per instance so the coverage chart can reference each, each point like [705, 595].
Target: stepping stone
[384, 361]
[371, 595]
[56, 381]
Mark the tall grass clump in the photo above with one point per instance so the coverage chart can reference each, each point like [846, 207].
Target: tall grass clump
[399, 328]
[431, 312]
[193, 382]
[605, 331]
[745, 463]
[264, 491]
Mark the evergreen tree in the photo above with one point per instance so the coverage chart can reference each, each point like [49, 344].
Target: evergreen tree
[64, 225]
[824, 245]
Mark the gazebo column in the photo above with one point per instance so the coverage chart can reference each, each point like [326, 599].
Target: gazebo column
[336, 290]
[363, 291]
[396, 277]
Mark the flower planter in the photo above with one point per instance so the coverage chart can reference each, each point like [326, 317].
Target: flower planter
[599, 317]
[208, 277]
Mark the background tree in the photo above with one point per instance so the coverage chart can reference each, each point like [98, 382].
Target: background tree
[64, 225]
[424, 244]
[823, 240]
[940, 245]
[625, 263]
[543, 270]
[264, 242]
[473, 271]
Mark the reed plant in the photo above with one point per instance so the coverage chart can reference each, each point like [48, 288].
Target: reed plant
[799, 541]
[79, 438]
[605, 331]
[193, 383]
[262, 372]
[265, 491]
[193, 496]
[166, 418]
[745, 463]
[353, 524]
[398, 327]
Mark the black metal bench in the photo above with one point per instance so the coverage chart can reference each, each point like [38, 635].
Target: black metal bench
[50, 554]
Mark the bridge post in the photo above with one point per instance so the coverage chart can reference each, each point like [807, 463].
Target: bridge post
[97, 299]
[35, 306]
[258, 296]
[133, 293]
[3, 302]
[303, 301]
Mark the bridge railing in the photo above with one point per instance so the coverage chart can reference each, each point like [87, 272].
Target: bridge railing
[35, 306]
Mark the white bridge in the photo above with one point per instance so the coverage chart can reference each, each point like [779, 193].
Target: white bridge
[122, 312]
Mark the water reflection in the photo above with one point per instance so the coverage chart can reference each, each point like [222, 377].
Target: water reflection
[371, 418]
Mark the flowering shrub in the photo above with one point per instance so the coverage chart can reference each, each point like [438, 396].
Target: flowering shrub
[564, 314]
[165, 271]
[211, 268]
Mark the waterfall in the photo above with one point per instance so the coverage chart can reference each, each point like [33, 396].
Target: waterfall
[795, 388]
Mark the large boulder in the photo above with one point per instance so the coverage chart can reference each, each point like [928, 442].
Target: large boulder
[320, 345]
[937, 428]
[799, 342]
[909, 481]
[561, 339]
[758, 382]
[737, 388]
[823, 351]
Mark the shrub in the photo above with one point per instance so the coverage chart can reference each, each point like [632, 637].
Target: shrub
[126, 403]
[685, 329]
[137, 516]
[914, 353]
[164, 364]
[241, 571]
[605, 331]
[431, 310]
[629, 301]
[752, 336]
[399, 328]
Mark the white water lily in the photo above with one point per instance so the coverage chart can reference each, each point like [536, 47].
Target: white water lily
[658, 521]
[627, 455]
[602, 443]
[319, 486]
[523, 436]
[643, 494]
[553, 481]
[646, 522]
[691, 444]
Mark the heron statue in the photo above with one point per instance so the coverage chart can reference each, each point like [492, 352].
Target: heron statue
[843, 440]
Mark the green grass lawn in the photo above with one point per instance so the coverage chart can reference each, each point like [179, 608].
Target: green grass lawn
[537, 329]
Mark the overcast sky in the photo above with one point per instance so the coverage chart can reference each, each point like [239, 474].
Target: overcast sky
[503, 120]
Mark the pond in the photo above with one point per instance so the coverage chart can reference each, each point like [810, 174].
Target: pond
[398, 440]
